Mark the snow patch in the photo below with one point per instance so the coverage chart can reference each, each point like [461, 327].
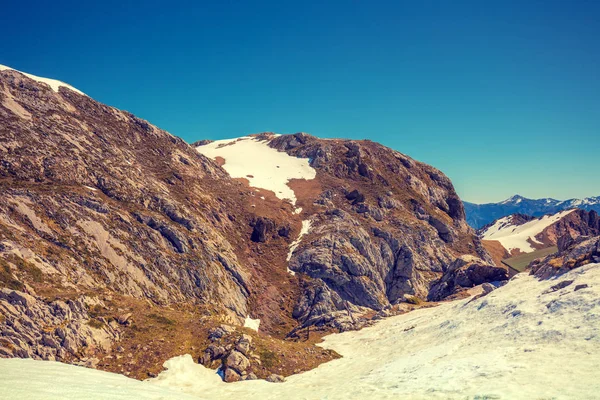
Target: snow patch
[53, 83]
[264, 167]
[517, 236]
[252, 323]
[306, 224]
[90, 188]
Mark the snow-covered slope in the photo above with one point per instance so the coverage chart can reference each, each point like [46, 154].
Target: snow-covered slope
[53, 83]
[519, 237]
[529, 339]
[265, 167]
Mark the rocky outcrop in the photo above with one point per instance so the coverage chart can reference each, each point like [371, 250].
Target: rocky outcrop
[232, 353]
[573, 253]
[383, 226]
[102, 200]
[540, 233]
[575, 224]
[466, 272]
[58, 330]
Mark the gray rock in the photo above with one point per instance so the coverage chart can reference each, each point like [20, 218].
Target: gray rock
[274, 378]
[26, 317]
[237, 361]
[251, 377]
[125, 318]
[243, 344]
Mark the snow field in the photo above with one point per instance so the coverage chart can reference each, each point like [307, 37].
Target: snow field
[53, 83]
[263, 166]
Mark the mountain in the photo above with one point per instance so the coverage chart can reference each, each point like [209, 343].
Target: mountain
[479, 215]
[122, 246]
[517, 234]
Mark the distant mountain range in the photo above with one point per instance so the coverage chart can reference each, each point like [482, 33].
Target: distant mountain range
[479, 215]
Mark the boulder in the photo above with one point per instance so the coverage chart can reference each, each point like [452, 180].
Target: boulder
[237, 361]
[231, 375]
[125, 319]
[251, 377]
[243, 344]
[465, 272]
[220, 331]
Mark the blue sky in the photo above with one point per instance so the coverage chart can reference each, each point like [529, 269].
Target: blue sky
[502, 96]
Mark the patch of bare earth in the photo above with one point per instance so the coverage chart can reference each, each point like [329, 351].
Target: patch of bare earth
[496, 250]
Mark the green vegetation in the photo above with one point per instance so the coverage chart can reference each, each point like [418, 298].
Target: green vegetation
[161, 319]
[28, 268]
[6, 277]
[521, 262]
[94, 323]
[268, 358]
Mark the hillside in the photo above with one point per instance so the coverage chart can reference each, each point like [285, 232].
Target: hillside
[479, 215]
[118, 239]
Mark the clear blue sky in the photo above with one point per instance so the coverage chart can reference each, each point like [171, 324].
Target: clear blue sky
[502, 96]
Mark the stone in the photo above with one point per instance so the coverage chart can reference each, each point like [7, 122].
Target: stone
[274, 378]
[220, 331]
[487, 288]
[231, 375]
[251, 377]
[237, 361]
[124, 319]
[243, 344]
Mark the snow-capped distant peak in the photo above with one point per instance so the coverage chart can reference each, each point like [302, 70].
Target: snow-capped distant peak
[516, 199]
[53, 83]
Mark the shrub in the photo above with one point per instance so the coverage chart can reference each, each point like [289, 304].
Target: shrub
[6, 277]
[268, 358]
[161, 319]
[94, 323]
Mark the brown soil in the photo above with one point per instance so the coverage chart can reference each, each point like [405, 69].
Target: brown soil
[220, 161]
[496, 250]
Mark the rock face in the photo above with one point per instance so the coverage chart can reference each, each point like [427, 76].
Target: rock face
[573, 253]
[578, 223]
[466, 272]
[33, 328]
[96, 200]
[383, 225]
